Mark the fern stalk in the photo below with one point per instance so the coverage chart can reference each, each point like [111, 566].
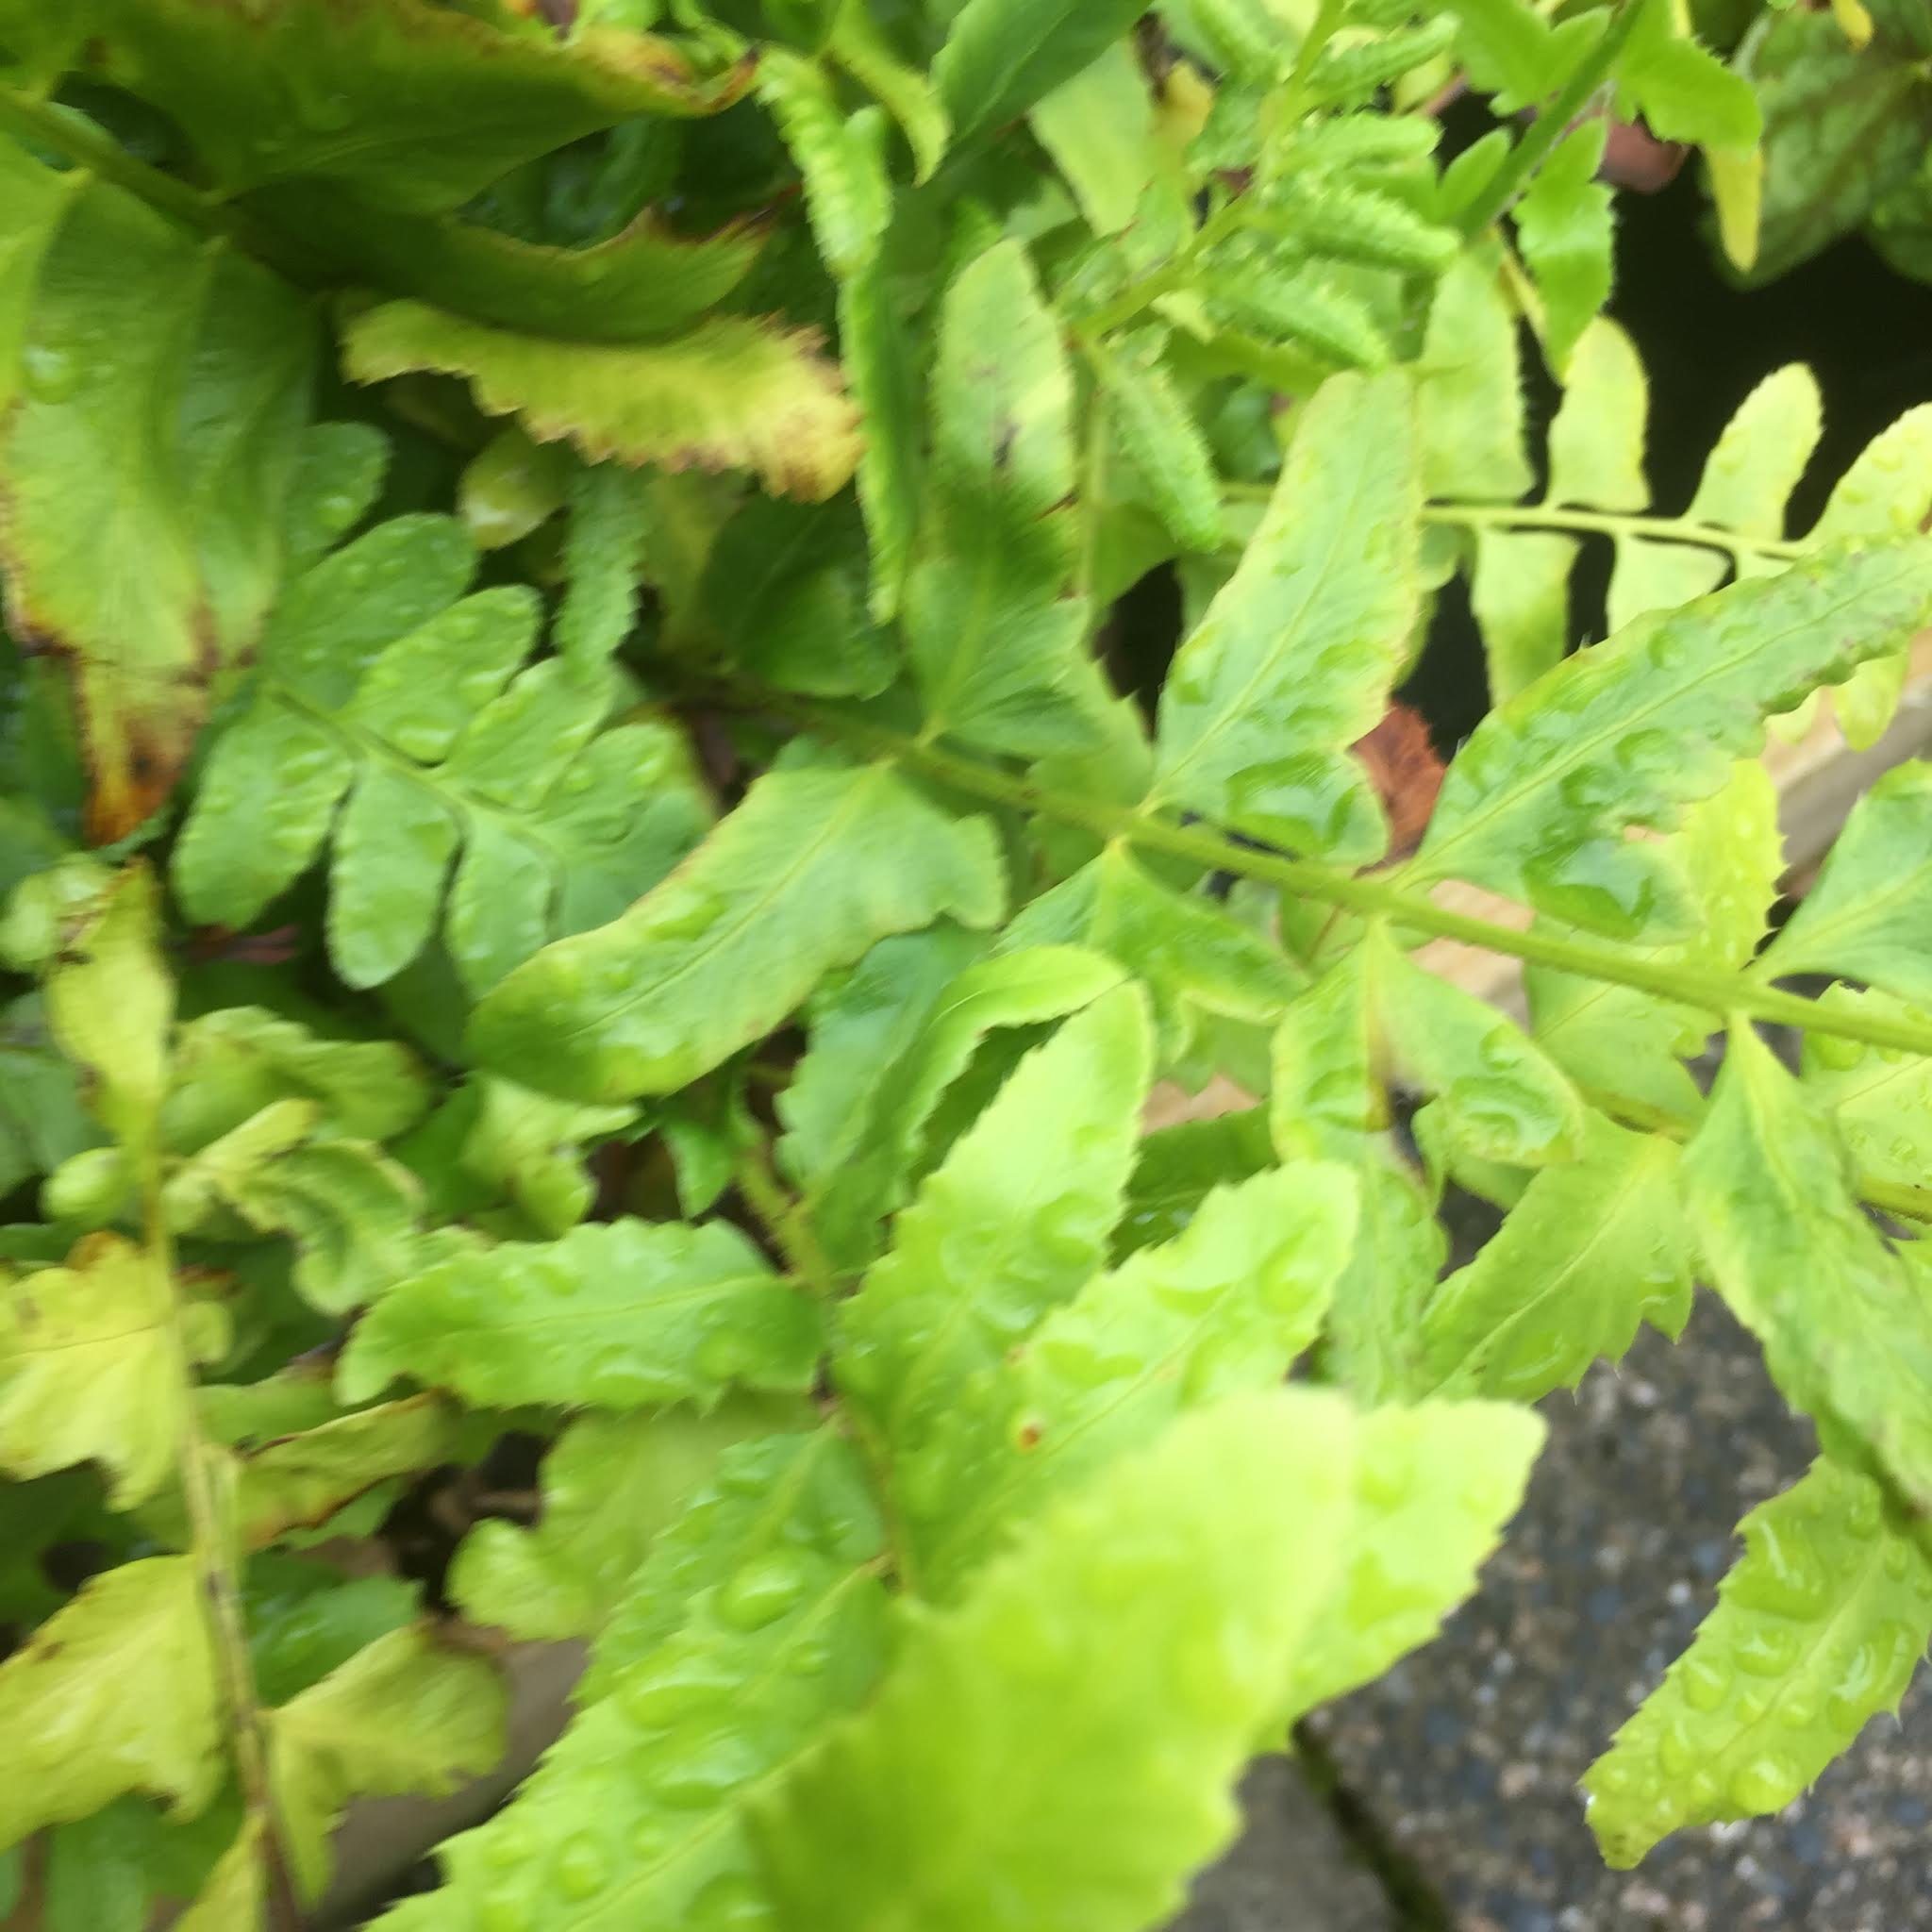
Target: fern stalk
[1725, 996]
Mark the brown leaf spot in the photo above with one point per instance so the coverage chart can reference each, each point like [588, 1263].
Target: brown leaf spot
[1407, 774]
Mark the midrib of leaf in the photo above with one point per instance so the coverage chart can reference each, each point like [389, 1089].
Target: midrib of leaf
[1552, 1284]
[1724, 993]
[1577, 749]
[615, 1310]
[751, 908]
[1681, 531]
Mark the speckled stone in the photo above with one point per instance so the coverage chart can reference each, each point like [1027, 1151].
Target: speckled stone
[1468, 1753]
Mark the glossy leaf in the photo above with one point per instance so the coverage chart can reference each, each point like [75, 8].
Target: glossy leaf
[1196, 962]
[993, 628]
[1563, 228]
[1434, 1487]
[737, 393]
[1595, 1246]
[412, 108]
[1225, 1306]
[1002, 56]
[1818, 1627]
[998, 1773]
[405, 1714]
[1880, 1100]
[616, 1315]
[1651, 720]
[1847, 1334]
[383, 684]
[140, 1623]
[1293, 660]
[1011, 1225]
[758, 1618]
[1026, 988]
[806, 873]
[611, 1483]
[161, 383]
[1621, 1041]
[1866, 917]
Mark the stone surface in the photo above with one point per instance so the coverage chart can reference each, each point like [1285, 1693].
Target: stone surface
[1289, 1868]
[1468, 1753]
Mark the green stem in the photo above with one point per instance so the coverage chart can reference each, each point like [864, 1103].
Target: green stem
[1550, 125]
[784, 1221]
[1532, 516]
[1172, 275]
[221, 1595]
[1719, 992]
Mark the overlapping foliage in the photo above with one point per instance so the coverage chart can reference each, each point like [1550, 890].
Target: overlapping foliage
[648, 927]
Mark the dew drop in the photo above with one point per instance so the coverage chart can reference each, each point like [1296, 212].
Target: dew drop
[762, 1592]
[1767, 1650]
[1767, 1783]
[49, 373]
[1705, 1681]
[503, 1912]
[583, 1867]
[731, 1903]
[1833, 1050]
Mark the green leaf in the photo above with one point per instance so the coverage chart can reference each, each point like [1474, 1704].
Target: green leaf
[1818, 1627]
[809, 870]
[110, 1001]
[305, 1620]
[530, 1147]
[1510, 51]
[1537, 803]
[1434, 1487]
[1293, 660]
[610, 1484]
[1841, 126]
[1160, 436]
[1880, 1100]
[643, 283]
[1176, 1168]
[1625, 1042]
[755, 1619]
[350, 1213]
[1196, 962]
[603, 559]
[1498, 1097]
[228, 1065]
[1683, 90]
[847, 192]
[1100, 127]
[300, 1482]
[875, 1175]
[162, 384]
[380, 680]
[993, 628]
[859, 46]
[1002, 56]
[143, 1624]
[616, 1315]
[785, 588]
[406, 1714]
[736, 392]
[1328, 1101]
[1563, 227]
[885, 379]
[1012, 1223]
[1867, 918]
[1469, 395]
[43, 1121]
[1594, 1247]
[412, 108]
[90, 1369]
[1847, 1334]
[1001, 1771]
[1225, 1306]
